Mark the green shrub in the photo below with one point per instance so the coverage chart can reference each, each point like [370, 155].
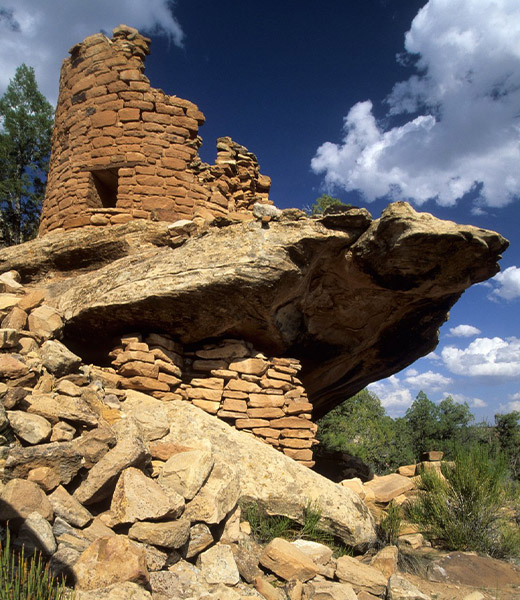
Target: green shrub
[391, 524]
[23, 578]
[265, 528]
[471, 507]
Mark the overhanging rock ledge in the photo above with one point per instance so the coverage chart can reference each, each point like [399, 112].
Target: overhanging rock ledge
[354, 299]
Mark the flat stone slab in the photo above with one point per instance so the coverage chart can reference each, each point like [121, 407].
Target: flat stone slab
[388, 487]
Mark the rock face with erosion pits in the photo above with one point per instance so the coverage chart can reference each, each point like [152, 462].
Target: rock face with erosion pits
[353, 303]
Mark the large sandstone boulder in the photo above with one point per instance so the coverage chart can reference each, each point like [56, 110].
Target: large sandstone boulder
[267, 477]
[339, 292]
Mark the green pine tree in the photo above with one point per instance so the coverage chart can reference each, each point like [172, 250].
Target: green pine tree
[25, 143]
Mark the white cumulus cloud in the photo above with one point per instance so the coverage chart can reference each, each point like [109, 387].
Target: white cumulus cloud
[392, 393]
[508, 284]
[40, 33]
[464, 331]
[471, 401]
[463, 126]
[510, 406]
[485, 357]
[429, 381]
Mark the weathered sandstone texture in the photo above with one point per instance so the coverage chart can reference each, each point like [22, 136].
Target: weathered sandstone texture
[122, 150]
[352, 299]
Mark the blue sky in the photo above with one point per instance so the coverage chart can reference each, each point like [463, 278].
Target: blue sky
[369, 100]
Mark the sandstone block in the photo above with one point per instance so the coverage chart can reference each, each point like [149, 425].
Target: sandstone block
[165, 450]
[200, 538]
[62, 432]
[10, 282]
[11, 367]
[232, 404]
[297, 454]
[35, 533]
[250, 366]
[411, 540]
[400, 588]
[68, 508]
[7, 301]
[186, 472]
[240, 385]
[133, 356]
[32, 299]
[144, 384]
[58, 359]
[118, 591]
[129, 451]
[171, 380]
[201, 393]
[19, 498]
[291, 423]
[149, 413]
[104, 118]
[94, 444]
[386, 560]
[287, 561]
[138, 498]
[129, 114]
[217, 497]
[407, 470]
[16, 319]
[319, 553]
[172, 534]
[46, 477]
[266, 400]
[329, 590]
[32, 429]
[251, 423]
[9, 338]
[265, 413]
[389, 486]
[68, 388]
[218, 565]
[45, 321]
[110, 560]
[362, 577]
[267, 589]
[62, 458]
[267, 432]
[57, 407]
[139, 369]
[295, 408]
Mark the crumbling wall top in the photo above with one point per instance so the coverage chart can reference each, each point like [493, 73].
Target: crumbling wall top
[122, 150]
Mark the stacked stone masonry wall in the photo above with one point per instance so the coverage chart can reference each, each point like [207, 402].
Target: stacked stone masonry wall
[122, 150]
[229, 379]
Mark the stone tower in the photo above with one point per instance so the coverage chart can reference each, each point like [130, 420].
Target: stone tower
[122, 150]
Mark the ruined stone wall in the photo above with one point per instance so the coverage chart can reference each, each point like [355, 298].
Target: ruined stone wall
[229, 379]
[122, 150]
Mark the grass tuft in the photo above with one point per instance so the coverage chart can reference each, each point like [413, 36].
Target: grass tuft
[26, 578]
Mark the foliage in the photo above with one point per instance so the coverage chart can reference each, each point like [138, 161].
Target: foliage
[469, 507]
[23, 578]
[390, 524]
[266, 527]
[25, 138]
[361, 427]
[438, 427]
[508, 437]
[323, 202]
